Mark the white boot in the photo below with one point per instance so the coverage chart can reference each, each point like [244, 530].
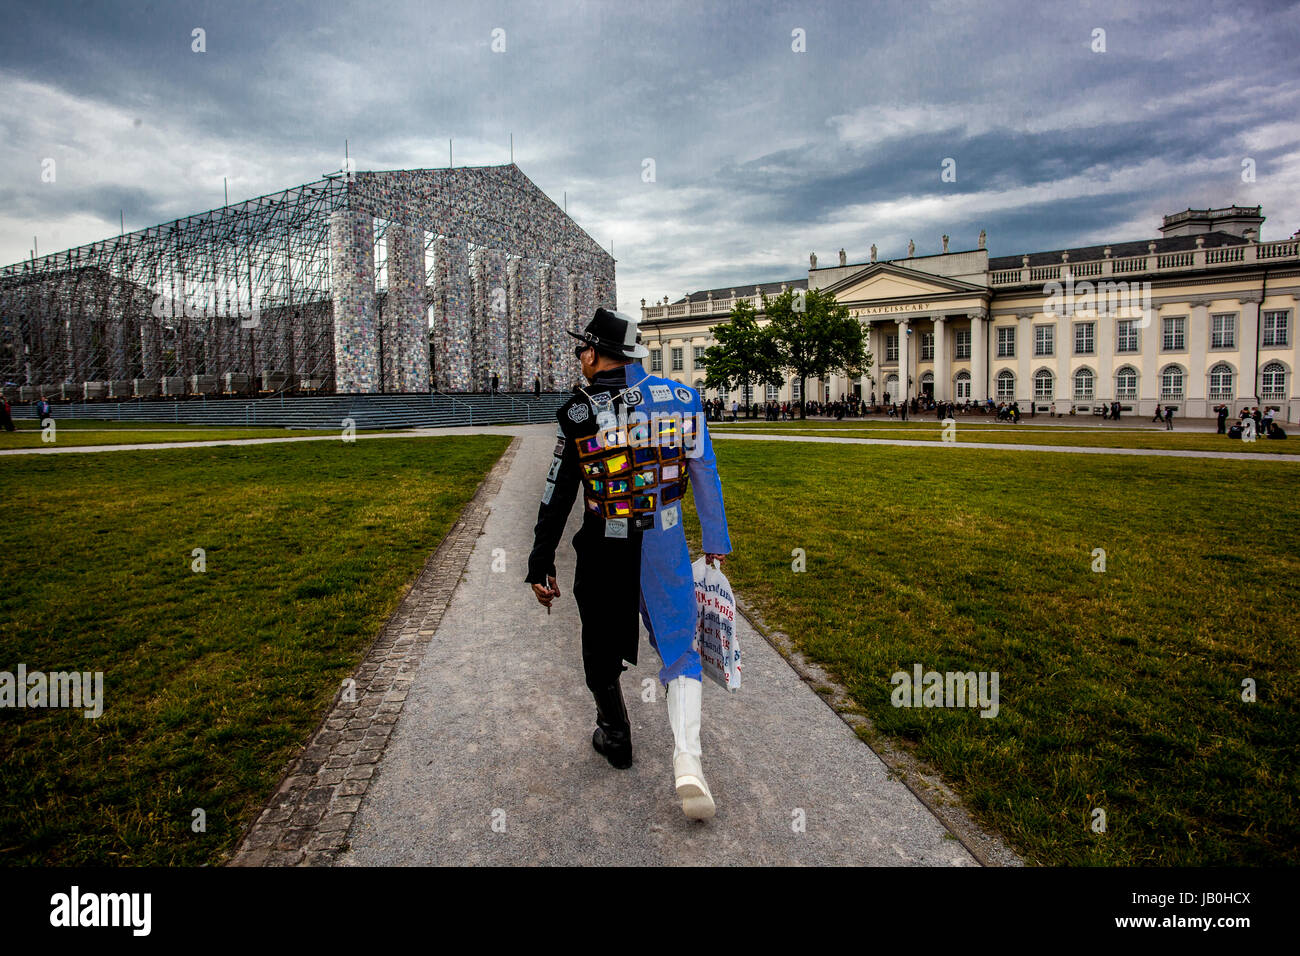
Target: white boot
[685, 695]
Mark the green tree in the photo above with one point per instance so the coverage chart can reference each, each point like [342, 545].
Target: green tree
[745, 353]
[815, 336]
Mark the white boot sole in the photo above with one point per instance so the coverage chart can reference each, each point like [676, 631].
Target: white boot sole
[697, 802]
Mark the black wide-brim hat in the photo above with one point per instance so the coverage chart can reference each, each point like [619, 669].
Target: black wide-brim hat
[613, 332]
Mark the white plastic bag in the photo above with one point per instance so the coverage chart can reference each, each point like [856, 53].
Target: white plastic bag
[715, 627]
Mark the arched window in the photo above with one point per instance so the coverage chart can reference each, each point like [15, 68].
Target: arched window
[772, 392]
[963, 386]
[1171, 383]
[1221, 382]
[891, 388]
[1083, 379]
[1273, 381]
[795, 395]
[1044, 384]
[1006, 384]
[1126, 382]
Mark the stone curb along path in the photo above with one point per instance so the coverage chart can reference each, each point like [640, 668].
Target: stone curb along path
[308, 819]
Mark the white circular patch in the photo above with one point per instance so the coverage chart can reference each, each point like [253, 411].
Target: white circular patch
[632, 396]
[578, 412]
[682, 395]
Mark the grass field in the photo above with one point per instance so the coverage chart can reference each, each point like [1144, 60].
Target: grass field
[983, 430]
[211, 680]
[1119, 690]
[82, 432]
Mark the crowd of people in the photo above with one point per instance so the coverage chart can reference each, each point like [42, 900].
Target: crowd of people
[1250, 424]
[1262, 423]
[852, 406]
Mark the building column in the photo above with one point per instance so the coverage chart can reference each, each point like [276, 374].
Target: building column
[491, 329]
[452, 355]
[979, 356]
[582, 306]
[1198, 342]
[1024, 357]
[558, 364]
[1248, 378]
[876, 357]
[1104, 343]
[352, 282]
[904, 393]
[406, 337]
[523, 276]
[942, 393]
[604, 291]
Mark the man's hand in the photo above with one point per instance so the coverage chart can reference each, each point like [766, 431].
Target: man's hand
[545, 595]
[710, 558]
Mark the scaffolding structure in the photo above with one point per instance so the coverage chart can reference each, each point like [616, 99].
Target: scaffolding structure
[387, 281]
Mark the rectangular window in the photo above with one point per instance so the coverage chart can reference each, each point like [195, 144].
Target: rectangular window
[1126, 336]
[1275, 328]
[795, 394]
[1223, 331]
[656, 360]
[699, 354]
[1084, 338]
[1044, 339]
[963, 343]
[771, 393]
[1175, 338]
[677, 359]
[891, 348]
[927, 346]
[1007, 341]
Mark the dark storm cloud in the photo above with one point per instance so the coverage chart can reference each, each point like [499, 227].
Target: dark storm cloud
[761, 154]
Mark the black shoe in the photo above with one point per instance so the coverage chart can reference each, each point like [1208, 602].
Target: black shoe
[613, 735]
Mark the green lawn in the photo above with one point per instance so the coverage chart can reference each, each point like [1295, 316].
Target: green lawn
[211, 680]
[81, 432]
[983, 430]
[1119, 690]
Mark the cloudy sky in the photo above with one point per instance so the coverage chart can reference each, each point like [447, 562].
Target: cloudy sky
[762, 152]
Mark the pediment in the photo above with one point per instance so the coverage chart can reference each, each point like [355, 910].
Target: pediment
[886, 281]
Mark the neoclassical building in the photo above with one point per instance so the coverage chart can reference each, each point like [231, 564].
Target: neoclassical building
[1205, 314]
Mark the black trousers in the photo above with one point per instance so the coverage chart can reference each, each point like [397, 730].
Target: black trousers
[607, 589]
